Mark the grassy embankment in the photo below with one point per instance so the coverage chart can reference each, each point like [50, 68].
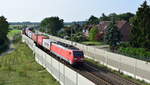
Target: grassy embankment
[20, 68]
[13, 32]
[100, 66]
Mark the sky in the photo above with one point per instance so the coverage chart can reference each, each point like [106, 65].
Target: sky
[69, 10]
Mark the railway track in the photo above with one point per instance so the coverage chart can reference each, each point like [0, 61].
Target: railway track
[98, 76]
[96, 79]
[110, 77]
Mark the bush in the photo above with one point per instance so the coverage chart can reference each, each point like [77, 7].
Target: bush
[92, 34]
[4, 46]
[125, 44]
[78, 37]
[139, 53]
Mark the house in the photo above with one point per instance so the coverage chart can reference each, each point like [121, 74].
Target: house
[86, 30]
[123, 26]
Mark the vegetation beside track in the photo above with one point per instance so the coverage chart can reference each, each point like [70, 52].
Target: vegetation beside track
[100, 66]
[12, 33]
[92, 43]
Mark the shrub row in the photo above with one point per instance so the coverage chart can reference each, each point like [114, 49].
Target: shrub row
[139, 53]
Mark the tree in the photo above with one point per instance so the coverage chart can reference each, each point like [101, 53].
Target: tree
[62, 33]
[77, 37]
[113, 35]
[51, 25]
[126, 16]
[76, 27]
[104, 18]
[114, 15]
[93, 20]
[3, 29]
[93, 32]
[73, 32]
[140, 33]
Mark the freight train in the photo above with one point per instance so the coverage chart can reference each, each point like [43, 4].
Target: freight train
[68, 53]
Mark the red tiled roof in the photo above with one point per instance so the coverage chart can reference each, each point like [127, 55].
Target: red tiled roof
[104, 24]
[120, 24]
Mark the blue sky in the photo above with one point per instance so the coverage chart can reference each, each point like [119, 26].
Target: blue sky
[69, 10]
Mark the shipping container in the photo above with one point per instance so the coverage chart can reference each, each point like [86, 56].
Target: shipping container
[40, 39]
[34, 37]
[47, 43]
[29, 33]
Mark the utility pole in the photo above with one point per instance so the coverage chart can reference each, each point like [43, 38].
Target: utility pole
[46, 30]
[71, 37]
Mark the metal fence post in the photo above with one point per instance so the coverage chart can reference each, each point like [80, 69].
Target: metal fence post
[135, 68]
[76, 78]
[120, 63]
[64, 74]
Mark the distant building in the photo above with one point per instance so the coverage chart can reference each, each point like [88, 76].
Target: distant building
[123, 26]
[86, 30]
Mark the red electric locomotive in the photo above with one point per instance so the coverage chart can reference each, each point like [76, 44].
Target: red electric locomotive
[67, 52]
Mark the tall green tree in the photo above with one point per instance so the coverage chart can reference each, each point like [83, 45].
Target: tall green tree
[62, 33]
[76, 27]
[124, 16]
[3, 29]
[77, 37]
[76, 32]
[113, 35]
[140, 34]
[104, 17]
[51, 25]
[93, 32]
[114, 15]
[93, 20]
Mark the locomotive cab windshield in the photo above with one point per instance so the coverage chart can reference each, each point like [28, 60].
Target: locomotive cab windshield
[78, 54]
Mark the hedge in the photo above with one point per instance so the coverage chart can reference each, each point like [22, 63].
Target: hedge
[139, 53]
[4, 46]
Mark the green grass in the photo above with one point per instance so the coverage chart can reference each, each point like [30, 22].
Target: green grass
[20, 68]
[12, 33]
[100, 66]
[92, 43]
[12, 26]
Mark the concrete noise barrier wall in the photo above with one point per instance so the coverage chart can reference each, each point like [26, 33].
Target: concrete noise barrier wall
[136, 68]
[59, 71]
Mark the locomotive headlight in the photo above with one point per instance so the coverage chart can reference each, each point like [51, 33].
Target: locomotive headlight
[75, 58]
